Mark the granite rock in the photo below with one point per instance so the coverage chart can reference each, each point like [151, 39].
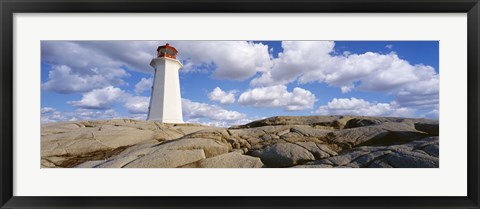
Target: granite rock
[283, 141]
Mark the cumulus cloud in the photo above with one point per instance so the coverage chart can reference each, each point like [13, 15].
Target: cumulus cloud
[45, 110]
[422, 94]
[137, 107]
[85, 55]
[233, 60]
[52, 116]
[62, 79]
[297, 58]
[80, 66]
[137, 104]
[78, 114]
[221, 96]
[99, 98]
[306, 63]
[106, 97]
[97, 69]
[219, 123]
[354, 106]
[97, 105]
[139, 116]
[347, 88]
[315, 61]
[278, 96]
[143, 84]
[196, 110]
[431, 114]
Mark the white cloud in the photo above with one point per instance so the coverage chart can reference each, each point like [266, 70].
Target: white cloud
[315, 61]
[374, 72]
[137, 104]
[389, 46]
[394, 77]
[219, 123]
[106, 97]
[347, 88]
[221, 96]
[278, 96]
[99, 98]
[85, 55]
[233, 60]
[194, 110]
[46, 110]
[354, 106]
[143, 84]
[62, 79]
[298, 57]
[86, 114]
[138, 116]
[431, 114]
[80, 66]
[78, 115]
[91, 67]
[49, 114]
[422, 94]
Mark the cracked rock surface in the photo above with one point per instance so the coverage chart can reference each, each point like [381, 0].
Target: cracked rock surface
[277, 142]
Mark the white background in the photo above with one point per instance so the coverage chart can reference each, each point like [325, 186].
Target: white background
[448, 180]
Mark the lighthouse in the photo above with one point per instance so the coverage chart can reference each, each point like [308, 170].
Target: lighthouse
[165, 101]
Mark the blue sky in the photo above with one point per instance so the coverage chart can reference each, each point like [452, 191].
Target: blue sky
[233, 82]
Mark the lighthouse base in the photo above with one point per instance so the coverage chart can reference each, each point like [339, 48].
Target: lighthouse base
[165, 120]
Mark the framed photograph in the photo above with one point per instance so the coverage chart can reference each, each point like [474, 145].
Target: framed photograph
[266, 104]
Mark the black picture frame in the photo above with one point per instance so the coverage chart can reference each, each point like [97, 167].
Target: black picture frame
[10, 7]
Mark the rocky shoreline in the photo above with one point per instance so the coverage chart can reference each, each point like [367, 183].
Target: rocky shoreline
[277, 142]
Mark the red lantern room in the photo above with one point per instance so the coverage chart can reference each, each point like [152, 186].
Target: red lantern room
[167, 51]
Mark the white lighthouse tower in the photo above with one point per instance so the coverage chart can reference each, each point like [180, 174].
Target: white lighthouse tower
[165, 102]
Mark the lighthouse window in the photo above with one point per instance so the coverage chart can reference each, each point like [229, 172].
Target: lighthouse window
[162, 51]
[170, 52]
